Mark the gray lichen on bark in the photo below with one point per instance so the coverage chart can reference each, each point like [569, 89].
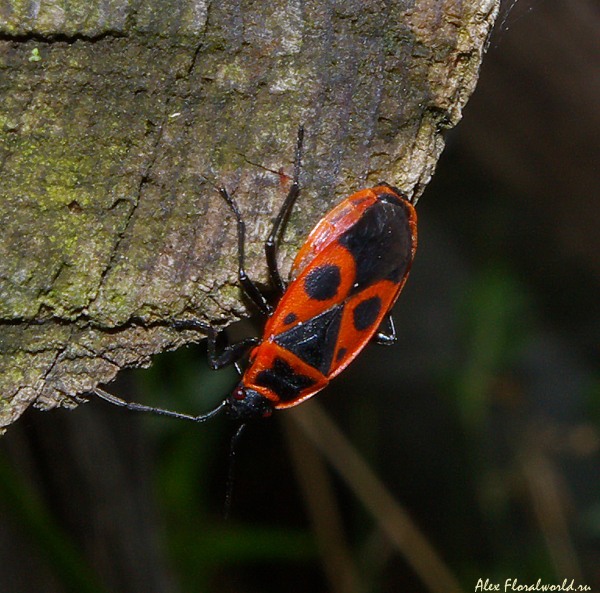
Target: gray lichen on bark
[118, 119]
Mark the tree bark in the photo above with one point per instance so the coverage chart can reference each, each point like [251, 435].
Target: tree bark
[118, 120]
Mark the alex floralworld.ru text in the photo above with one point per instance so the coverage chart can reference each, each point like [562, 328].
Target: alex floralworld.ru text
[514, 585]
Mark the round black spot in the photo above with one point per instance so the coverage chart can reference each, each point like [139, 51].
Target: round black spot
[365, 313]
[290, 318]
[323, 282]
[341, 353]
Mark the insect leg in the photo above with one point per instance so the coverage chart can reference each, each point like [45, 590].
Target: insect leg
[235, 439]
[250, 289]
[273, 240]
[388, 336]
[228, 354]
[194, 324]
[117, 401]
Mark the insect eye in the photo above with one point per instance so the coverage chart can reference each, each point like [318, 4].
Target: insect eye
[239, 393]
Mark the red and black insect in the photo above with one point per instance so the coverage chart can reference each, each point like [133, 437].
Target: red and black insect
[346, 279]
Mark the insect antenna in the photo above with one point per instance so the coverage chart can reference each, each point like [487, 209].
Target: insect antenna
[117, 401]
[231, 469]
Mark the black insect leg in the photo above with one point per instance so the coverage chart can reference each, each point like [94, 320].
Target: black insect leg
[230, 353]
[235, 439]
[279, 224]
[117, 401]
[250, 289]
[223, 356]
[388, 336]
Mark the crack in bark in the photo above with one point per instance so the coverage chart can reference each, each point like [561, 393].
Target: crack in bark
[200, 43]
[70, 39]
[144, 178]
[115, 249]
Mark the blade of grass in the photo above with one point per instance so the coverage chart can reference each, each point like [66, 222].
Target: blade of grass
[392, 519]
[324, 513]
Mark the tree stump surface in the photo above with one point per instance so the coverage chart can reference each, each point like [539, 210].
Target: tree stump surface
[118, 120]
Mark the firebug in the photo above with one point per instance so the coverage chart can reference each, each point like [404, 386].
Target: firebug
[345, 281]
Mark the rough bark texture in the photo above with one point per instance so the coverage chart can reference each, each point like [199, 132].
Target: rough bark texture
[118, 119]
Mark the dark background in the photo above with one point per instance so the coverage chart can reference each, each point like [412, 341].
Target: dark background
[483, 421]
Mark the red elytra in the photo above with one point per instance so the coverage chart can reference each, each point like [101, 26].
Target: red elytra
[347, 277]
